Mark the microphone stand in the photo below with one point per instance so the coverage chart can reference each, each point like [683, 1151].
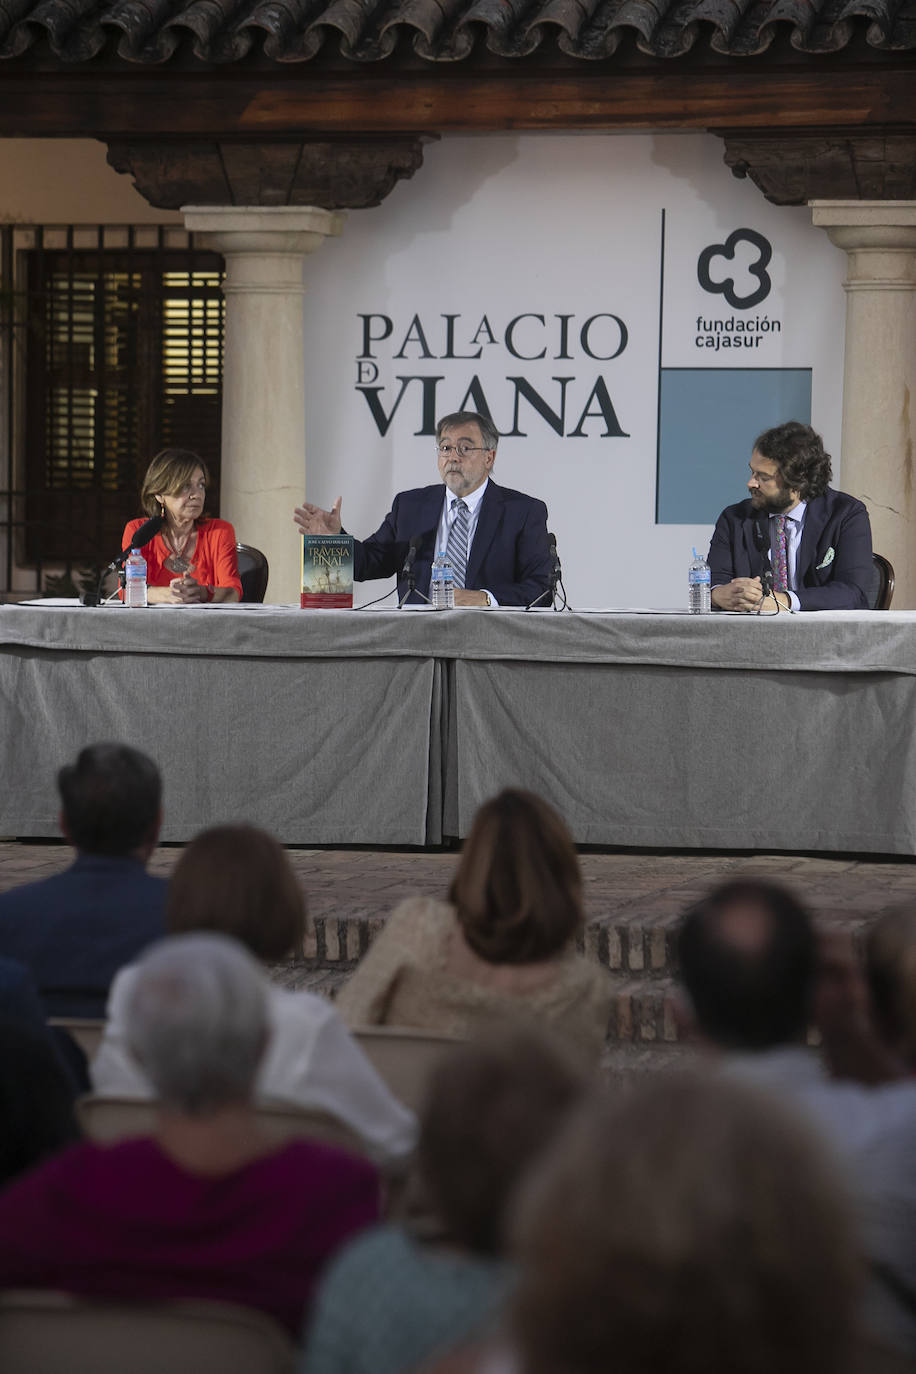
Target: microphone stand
[766, 583]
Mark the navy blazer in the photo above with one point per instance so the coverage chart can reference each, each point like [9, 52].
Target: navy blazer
[834, 569]
[75, 930]
[509, 555]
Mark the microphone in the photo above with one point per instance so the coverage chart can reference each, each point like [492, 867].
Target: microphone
[407, 571]
[147, 531]
[551, 594]
[415, 541]
[762, 545]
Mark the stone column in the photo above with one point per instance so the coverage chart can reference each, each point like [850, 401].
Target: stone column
[263, 427]
[879, 387]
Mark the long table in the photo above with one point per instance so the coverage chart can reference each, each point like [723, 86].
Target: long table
[371, 727]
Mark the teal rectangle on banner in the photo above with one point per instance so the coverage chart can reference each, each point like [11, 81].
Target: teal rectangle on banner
[708, 421]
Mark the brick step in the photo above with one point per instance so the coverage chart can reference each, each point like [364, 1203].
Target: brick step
[635, 944]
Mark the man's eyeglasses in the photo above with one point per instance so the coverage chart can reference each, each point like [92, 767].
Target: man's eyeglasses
[461, 449]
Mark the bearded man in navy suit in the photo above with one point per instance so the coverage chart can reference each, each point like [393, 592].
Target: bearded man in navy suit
[828, 555]
[508, 554]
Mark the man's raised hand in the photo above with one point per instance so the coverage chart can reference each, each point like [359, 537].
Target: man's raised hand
[314, 520]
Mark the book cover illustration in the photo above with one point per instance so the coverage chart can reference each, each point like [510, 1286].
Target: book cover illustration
[327, 572]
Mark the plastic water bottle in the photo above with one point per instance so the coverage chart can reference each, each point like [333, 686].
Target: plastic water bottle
[135, 579]
[698, 585]
[442, 583]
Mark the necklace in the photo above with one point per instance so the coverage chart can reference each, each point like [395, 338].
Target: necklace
[176, 561]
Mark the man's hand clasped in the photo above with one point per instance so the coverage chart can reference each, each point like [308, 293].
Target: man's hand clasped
[746, 594]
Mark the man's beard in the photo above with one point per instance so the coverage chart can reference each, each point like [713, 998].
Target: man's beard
[773, 505]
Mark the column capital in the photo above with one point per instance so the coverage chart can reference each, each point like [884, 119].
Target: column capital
[863, 214]
[263, 229]
[878, 236]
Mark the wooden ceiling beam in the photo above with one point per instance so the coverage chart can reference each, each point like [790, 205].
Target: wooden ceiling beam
[308, 102]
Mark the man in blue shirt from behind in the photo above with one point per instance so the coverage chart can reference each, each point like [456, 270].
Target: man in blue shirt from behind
[75, 930]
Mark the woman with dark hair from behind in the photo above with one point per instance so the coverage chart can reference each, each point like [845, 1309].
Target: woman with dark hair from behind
[491, 1109]
[237, 880]
[503, 946]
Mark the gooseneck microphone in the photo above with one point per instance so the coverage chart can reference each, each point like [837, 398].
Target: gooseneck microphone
[411, 554]
[550, 595]
[762, 545]
[147, 531]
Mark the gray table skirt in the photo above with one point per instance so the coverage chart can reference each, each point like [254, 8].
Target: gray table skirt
[365, 727]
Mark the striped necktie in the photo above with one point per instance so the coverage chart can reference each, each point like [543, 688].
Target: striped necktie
[457, 546]
[781, 555]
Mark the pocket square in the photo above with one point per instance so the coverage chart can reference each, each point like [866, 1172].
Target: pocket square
[828, 559]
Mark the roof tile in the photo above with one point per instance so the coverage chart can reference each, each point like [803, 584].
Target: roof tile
[289, 31]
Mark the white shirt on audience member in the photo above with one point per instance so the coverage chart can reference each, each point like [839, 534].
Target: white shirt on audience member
[312, 1061]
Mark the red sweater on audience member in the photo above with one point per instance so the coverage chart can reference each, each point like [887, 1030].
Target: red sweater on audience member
[124, 1222]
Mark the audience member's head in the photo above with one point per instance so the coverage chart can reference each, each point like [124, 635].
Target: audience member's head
[196, 1020]
[36, 1100]
[237, 880]
[748, 959]
[890, 968]
[688, 1227]
[518, 889]
[111, 801]
[491, 1108]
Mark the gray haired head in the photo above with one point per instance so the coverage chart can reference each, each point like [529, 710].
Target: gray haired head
[196, 1019]
[489, 434]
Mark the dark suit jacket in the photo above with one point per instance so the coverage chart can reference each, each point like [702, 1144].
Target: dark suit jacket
[75, 930]
[19, 997]
[837, 581]
[509, 553]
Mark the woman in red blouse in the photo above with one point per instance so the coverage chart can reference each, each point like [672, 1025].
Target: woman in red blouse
[193, 557]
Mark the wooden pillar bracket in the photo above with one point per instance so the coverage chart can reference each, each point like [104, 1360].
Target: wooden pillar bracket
[335, 174]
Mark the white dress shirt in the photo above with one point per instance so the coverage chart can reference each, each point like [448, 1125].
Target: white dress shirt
[311, 1061]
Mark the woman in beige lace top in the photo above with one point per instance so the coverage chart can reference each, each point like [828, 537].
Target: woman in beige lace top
[502, 946]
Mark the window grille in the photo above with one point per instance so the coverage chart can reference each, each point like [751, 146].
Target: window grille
[123, 356]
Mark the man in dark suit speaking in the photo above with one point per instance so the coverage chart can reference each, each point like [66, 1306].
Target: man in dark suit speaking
[496, 538]
[794, 544]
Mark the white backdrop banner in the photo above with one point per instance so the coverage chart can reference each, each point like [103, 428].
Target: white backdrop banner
[628, 313]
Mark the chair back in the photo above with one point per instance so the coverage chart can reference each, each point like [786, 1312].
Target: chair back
[43, 1332]
[404, 1057]
[254, 572]
[87, 1031]
[883, 583]
[109, 1119]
